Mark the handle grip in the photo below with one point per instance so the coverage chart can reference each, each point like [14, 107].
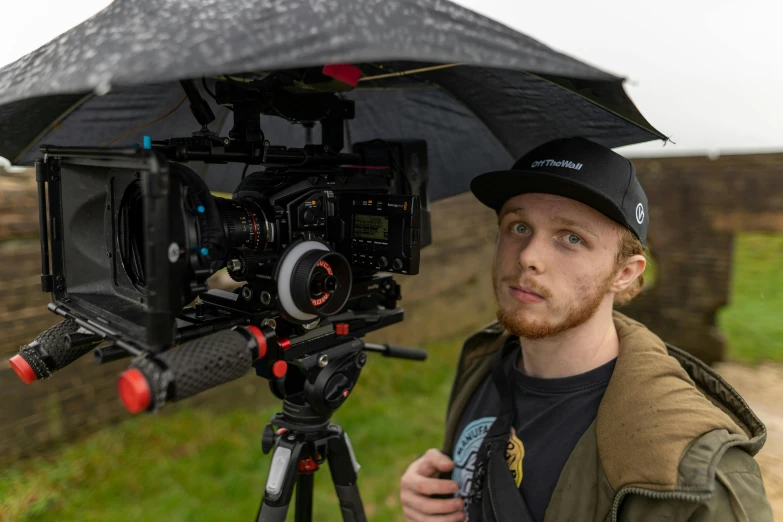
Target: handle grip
[405, 353]
[190, 368]
[53, 349]
[402, 352]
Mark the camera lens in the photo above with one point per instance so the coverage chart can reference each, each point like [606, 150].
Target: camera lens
[244, 224]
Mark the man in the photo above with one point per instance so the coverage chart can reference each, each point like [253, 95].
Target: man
[564, 409]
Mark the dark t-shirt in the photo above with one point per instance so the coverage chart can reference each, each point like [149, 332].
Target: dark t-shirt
[551, 415]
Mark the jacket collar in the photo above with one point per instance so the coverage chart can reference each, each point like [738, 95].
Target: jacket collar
[659, 402]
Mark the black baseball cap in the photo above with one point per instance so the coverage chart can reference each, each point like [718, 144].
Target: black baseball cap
[575, 168]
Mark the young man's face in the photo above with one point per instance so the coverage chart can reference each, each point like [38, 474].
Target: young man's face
[555, 264]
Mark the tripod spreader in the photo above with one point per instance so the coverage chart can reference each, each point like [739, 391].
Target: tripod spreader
[297, 455]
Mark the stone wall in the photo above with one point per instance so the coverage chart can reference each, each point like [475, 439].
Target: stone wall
[22, 304]
[696, 207]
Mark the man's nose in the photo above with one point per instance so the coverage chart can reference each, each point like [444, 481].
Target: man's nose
[532, 254]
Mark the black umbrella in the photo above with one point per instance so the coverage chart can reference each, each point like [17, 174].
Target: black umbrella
[477, 91]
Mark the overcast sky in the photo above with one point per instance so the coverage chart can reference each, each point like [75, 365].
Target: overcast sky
[707, 73]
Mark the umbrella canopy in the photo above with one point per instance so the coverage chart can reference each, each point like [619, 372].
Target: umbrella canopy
[480, 93]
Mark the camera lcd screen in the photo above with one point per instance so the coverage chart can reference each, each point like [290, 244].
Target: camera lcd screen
[371, 227]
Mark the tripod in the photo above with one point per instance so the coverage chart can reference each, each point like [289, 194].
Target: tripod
[305, 438]
[304, 441]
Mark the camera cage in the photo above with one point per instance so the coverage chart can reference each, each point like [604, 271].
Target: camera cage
[155, 318]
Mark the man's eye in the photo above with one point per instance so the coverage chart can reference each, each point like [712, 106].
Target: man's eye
[519, 228]
[573, 239]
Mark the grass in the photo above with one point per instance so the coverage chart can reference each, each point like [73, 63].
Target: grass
[753, 323]
[197, 465]
[202, 465]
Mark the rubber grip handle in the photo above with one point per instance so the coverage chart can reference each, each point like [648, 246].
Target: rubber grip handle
[49, 352]
[195, 366]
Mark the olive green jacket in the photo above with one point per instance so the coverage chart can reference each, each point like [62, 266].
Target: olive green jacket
[672, 441]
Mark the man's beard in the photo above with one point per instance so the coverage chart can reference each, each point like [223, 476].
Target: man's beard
[520, 323]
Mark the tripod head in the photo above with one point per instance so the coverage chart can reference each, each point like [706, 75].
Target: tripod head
[305, 438]
[329, 378]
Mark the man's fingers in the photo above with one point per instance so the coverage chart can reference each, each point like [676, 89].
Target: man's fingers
[411, 516]
[430, 486]
[419, 484]
[414, 516]
[421, 505]
[436, 506]
[433, 463]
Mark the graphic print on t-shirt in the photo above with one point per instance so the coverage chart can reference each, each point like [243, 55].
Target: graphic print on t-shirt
[466, 450]
[515, 452]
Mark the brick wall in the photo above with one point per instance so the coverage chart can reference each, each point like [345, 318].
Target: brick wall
[22, 304]
[696, 205]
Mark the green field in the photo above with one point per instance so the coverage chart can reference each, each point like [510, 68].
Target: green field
[753, 323]
[199, 465]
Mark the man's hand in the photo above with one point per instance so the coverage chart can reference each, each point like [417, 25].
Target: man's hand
[419, 482]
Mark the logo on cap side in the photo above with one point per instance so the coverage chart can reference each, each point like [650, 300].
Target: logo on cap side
[639, 213]
[556, 163]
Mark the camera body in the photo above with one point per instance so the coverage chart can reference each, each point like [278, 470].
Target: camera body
[359, 216]
[134, 238]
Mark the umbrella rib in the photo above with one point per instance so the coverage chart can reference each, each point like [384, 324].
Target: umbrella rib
[649, 128]
[410, 71]
[51, 126]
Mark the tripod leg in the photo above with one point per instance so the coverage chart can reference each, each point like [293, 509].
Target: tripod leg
[304, 498]
[344, 468]
[283, 472]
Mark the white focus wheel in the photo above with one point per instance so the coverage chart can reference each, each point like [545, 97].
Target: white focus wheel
[284, 274]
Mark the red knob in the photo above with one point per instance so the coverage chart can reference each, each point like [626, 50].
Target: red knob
[342, 328]
[279, 369]
[23, 369]
[260, 340]
[134, 391]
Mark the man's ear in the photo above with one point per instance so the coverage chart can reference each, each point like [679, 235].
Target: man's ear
[629, 270]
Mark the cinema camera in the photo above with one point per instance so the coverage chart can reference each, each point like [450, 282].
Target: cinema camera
[315, 238]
